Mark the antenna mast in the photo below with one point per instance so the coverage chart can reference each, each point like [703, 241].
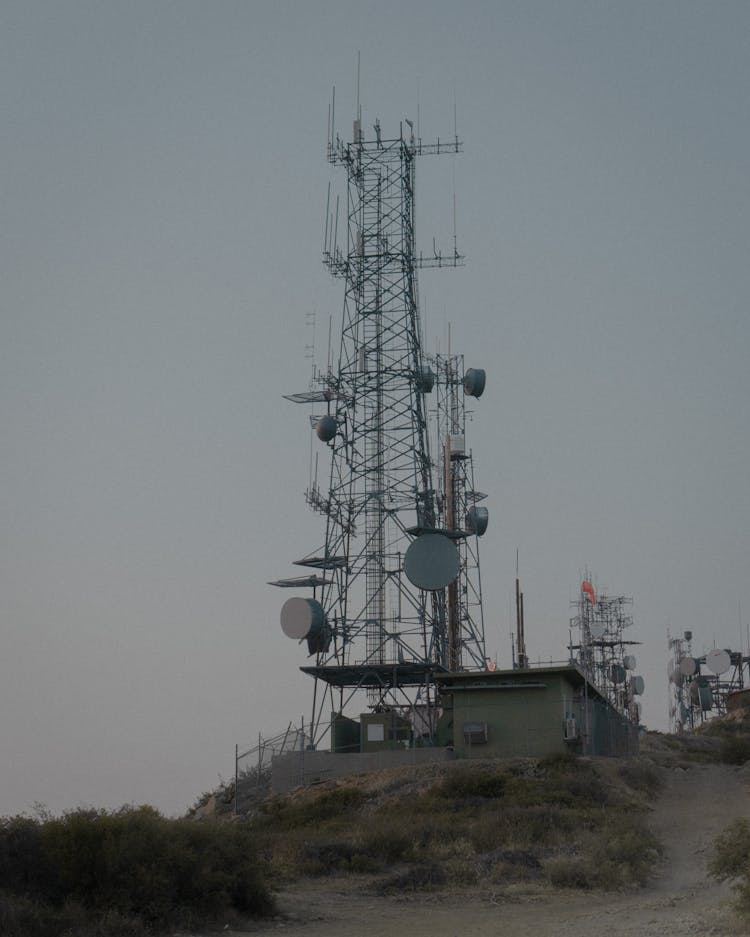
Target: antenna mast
[396, 588]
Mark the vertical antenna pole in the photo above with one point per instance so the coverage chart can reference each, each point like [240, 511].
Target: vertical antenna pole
[455, 119]
[455, 233]
[419, 121]
[328, 210]
[359, 110]
[236, 775]
[518, 620]
[523, 661]
[336, 228]
[330, 326]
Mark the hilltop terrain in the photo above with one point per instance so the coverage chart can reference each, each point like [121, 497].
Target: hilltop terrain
[694, 807]
[682, 793]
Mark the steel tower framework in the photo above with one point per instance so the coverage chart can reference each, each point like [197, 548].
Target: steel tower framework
[601, 621]
[458, 504]
[700, 687]
[381, 633]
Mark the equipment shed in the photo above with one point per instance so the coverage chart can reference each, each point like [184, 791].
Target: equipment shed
[532, 712]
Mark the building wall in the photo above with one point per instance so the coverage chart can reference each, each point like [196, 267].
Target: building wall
[524, 719]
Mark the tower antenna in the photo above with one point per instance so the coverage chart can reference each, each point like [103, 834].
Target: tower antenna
[397, 593]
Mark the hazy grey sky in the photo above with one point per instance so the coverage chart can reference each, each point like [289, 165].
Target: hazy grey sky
[163, 198]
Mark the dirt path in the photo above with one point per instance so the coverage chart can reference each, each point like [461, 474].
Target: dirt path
[695, 806]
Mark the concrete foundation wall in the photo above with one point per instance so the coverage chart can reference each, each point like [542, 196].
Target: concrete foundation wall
[295, 769]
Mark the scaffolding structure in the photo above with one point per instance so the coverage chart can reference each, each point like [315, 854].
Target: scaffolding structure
[395, 586]
[700, 685]
[601, 652]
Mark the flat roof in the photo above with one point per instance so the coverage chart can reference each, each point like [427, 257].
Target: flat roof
[528, 677]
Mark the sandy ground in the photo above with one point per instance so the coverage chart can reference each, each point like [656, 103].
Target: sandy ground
[682, 900]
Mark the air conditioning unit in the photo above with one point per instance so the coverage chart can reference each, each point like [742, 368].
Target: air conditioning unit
[475, 733]
[570, 730]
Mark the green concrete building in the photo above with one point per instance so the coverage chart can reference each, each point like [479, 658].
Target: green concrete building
[535, 712]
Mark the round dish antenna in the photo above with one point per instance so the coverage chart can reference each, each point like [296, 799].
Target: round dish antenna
[474, 381]
[477, 519]
[629, 661]
[325, 428]
[301, 617]
[425, 379]
[688, 666]
[597, 630]
[675, 675]
[637, 685]
[431, 562]
[718, 661]
[306, 619]
[617, 673]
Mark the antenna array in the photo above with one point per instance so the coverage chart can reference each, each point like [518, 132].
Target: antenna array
[396, 590]
[701, 685]
[600, 621]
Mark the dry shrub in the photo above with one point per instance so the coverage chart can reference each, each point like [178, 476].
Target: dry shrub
[735, 749]
[90, 871]
[731, 862]
[416, 878]
[575, 820]
[641, 775]
[333, 806]
[619, 852]
[468, 784]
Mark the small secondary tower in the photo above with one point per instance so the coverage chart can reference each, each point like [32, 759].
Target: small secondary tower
[701, 687]
[601, 621]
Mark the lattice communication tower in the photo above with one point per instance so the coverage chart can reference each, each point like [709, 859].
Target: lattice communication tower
[702, 685]
[600, 621]
[395, 590]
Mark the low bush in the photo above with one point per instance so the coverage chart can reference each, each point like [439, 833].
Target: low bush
[641, 776]
[731, 861]
[314, 809]
[575, 820]
[417, 878]
[735, 749]
[467, 784]
[619, 854]
[118, 872]
[626, 850]
[562, 763]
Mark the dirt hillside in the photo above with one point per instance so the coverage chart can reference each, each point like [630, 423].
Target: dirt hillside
[695, 805]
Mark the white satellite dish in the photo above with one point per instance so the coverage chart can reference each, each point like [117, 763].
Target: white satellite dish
[629, 661]
[302, 617]
[431, 562]
[688, 666]
[597, 630]
[718, 661]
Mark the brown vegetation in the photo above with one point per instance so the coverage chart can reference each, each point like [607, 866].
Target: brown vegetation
[576, 823]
